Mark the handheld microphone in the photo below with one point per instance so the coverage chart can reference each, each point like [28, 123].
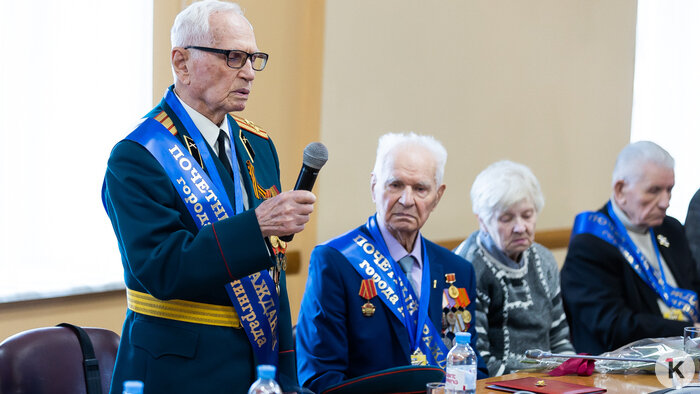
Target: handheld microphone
[315, 156]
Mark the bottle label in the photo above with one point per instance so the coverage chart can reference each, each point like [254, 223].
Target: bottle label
[462, 377]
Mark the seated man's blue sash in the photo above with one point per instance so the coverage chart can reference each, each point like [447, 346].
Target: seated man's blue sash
[371, 259]
[615, 233]
[254, 297]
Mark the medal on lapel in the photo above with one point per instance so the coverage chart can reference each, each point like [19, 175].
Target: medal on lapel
[368, 290]
[452, 291]
[418, 358]
[455, 317]
[466, 316]
[279, 248]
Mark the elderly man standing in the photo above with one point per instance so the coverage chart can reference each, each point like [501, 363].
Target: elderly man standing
[193, 196]
[628, 273]
[375, 296]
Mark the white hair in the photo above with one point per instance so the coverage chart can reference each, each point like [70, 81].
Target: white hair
[392, 141]
[630, 162]
[501, 185]
[191, 26]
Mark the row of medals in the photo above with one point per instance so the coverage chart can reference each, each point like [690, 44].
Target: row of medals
[454, 319]
[278, 247]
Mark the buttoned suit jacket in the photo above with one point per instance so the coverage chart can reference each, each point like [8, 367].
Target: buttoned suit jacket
[166, 255]
[607, 304]
[336, 342]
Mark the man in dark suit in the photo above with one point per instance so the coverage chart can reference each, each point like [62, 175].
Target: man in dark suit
[361, 313]
[628, 272]
[194, 198]
[692, 226]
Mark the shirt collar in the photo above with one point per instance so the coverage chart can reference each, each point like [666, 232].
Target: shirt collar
[209, 130]
[396, 250]
[626, 220]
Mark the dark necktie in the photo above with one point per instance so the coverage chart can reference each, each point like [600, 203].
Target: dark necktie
[221, 142]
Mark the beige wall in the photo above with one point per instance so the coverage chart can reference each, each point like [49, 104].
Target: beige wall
[544, 82]
[547, 83]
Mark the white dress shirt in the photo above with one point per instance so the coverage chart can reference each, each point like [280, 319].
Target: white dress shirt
[210, 132]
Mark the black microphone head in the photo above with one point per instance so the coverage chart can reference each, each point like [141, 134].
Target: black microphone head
[315, 155]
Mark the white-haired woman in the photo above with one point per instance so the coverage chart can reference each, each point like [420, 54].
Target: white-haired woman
[518, 305]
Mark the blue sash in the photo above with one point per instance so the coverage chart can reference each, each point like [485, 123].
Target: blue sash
[371, 259]
[254, 297]
[614, 233]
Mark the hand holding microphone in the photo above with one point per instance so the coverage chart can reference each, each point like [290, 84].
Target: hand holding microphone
[315, 156]
[287, 212]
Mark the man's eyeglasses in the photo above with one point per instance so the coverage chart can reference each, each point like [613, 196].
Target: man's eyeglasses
[236, 58]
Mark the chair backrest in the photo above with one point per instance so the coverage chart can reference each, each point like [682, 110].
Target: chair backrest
[49, 360]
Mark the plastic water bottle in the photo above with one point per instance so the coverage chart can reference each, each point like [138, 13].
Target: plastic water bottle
[460, 374]
[133, 387]
[266, 381]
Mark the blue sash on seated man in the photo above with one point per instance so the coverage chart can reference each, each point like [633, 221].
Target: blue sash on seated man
[362, 312]
[629, 273]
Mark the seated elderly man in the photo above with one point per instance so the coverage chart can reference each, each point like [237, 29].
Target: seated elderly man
[518, 305]
[375, 296]
[628, 273]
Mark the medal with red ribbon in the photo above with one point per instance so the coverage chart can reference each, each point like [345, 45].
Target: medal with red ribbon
[454, 302]
[452, 291]
[368, 290]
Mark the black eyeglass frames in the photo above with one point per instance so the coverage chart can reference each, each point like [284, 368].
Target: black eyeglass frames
[236, 58]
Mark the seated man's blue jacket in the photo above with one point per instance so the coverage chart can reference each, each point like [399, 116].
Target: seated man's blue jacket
[336, 342]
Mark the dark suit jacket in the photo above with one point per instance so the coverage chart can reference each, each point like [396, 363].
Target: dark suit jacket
[692, 227]
[165, 255]
[336, 342]
[607, 304]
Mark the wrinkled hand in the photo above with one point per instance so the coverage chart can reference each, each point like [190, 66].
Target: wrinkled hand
[285, 213]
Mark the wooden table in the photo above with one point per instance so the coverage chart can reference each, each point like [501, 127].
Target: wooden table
[614, 383]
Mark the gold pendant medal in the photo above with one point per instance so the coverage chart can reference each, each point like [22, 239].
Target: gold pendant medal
[466, 316]
[452, 291]
[418, 358]
[368, 309]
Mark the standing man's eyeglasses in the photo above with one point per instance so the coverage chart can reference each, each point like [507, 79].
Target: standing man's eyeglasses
[236, 58]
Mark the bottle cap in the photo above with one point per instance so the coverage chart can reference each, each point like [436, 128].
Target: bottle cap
[463, 338]
[133, 386]
[266, 371]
